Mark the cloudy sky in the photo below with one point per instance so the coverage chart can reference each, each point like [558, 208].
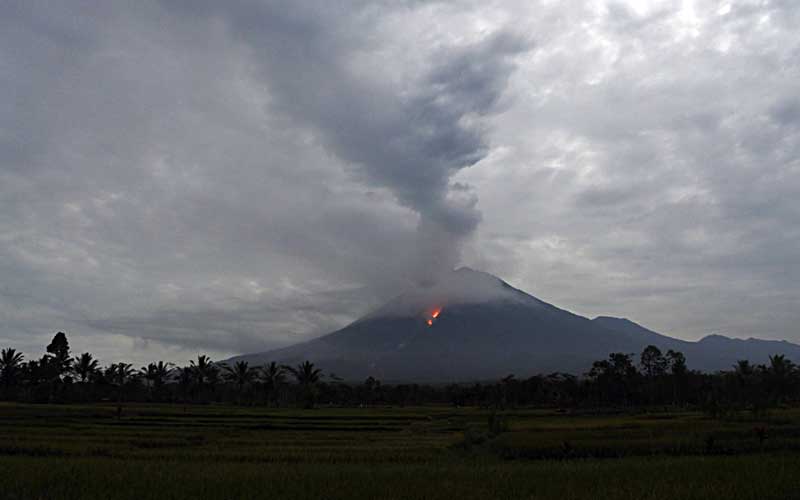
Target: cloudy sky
[226, 177]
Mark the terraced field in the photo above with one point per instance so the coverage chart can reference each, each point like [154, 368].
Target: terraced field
[172, 452]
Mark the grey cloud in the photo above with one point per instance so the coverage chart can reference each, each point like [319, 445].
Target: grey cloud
[410, 141]
[177, 177]
[668, 175]
[242, 326]
[787, 112]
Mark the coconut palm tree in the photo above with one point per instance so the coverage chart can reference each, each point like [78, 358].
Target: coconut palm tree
[201, 368]
[120, 375]
[272, 377]
[185, 381]
[307, 377]
[241, 375]
[780, 373]
[206, 374]
[156, 374]
[84, 366]
[10, 367]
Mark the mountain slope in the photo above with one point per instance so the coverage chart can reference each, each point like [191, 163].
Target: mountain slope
[483, 328]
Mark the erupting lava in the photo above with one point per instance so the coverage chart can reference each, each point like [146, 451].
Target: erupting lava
[434, 314]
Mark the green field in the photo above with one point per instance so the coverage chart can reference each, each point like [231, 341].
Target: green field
[172, 452]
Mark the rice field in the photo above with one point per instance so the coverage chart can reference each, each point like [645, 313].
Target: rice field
[220, 452]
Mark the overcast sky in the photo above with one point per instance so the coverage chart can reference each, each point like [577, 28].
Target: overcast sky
[215, 177]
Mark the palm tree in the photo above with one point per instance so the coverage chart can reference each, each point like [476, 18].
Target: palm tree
[307, 378]
[10, 366]
[272, 376]
[203, 371]
[120, 374]
[779, 377]
[185, 380]
[214, 378]
[156, 375]
[241, 375]
[84, 366]
[202, 368]
[743, 368]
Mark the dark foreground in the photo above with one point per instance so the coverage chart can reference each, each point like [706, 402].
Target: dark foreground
[166, 452]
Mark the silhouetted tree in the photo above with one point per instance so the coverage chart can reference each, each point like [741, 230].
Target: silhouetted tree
[653, 363]
[613, 381]
[307, 377]
[678, 371]
[369, 390]
[185, 381]
[156, 375]
[84, 367]
[58, 350]
[214, 378]
[779, 377]
[241, 375]
[507, 386]
[203, 371]
[615, 377]
[272, 378]
[10, 369]
[120, 375]
[745, 375]
[654, 366]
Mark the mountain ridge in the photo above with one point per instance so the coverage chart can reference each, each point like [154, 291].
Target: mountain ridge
[471, 325]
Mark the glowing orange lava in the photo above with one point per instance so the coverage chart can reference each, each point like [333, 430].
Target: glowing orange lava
[434, 314]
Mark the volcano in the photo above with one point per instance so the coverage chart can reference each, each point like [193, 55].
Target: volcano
[470, 326]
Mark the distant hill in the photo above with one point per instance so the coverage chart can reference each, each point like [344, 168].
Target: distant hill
[471, 325]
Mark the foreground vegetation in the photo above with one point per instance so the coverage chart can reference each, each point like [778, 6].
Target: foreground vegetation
[70, 429]
[656, 380]
[210, 451]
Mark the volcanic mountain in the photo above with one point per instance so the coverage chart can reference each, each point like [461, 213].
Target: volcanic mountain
[471, 326]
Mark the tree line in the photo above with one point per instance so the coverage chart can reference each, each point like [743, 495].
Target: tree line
[620, 381]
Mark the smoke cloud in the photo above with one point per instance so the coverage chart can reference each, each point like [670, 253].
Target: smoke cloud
[408, 134]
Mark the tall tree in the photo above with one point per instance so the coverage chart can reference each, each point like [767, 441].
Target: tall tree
[206, 373]
[185, 380]
[653, 363]
[241, 375]
[780, 377]
[58, 350]
[156, 375]
[678, 372]
[615, 377]
[85, 367]
[10, 368]
[307, 377]
[654, 366]
[273, 377]
[120, 375]
[677, 363]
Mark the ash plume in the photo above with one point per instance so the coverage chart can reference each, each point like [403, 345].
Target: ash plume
[408, 136]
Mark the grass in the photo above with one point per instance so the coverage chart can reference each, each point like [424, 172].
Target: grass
[168, 452]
